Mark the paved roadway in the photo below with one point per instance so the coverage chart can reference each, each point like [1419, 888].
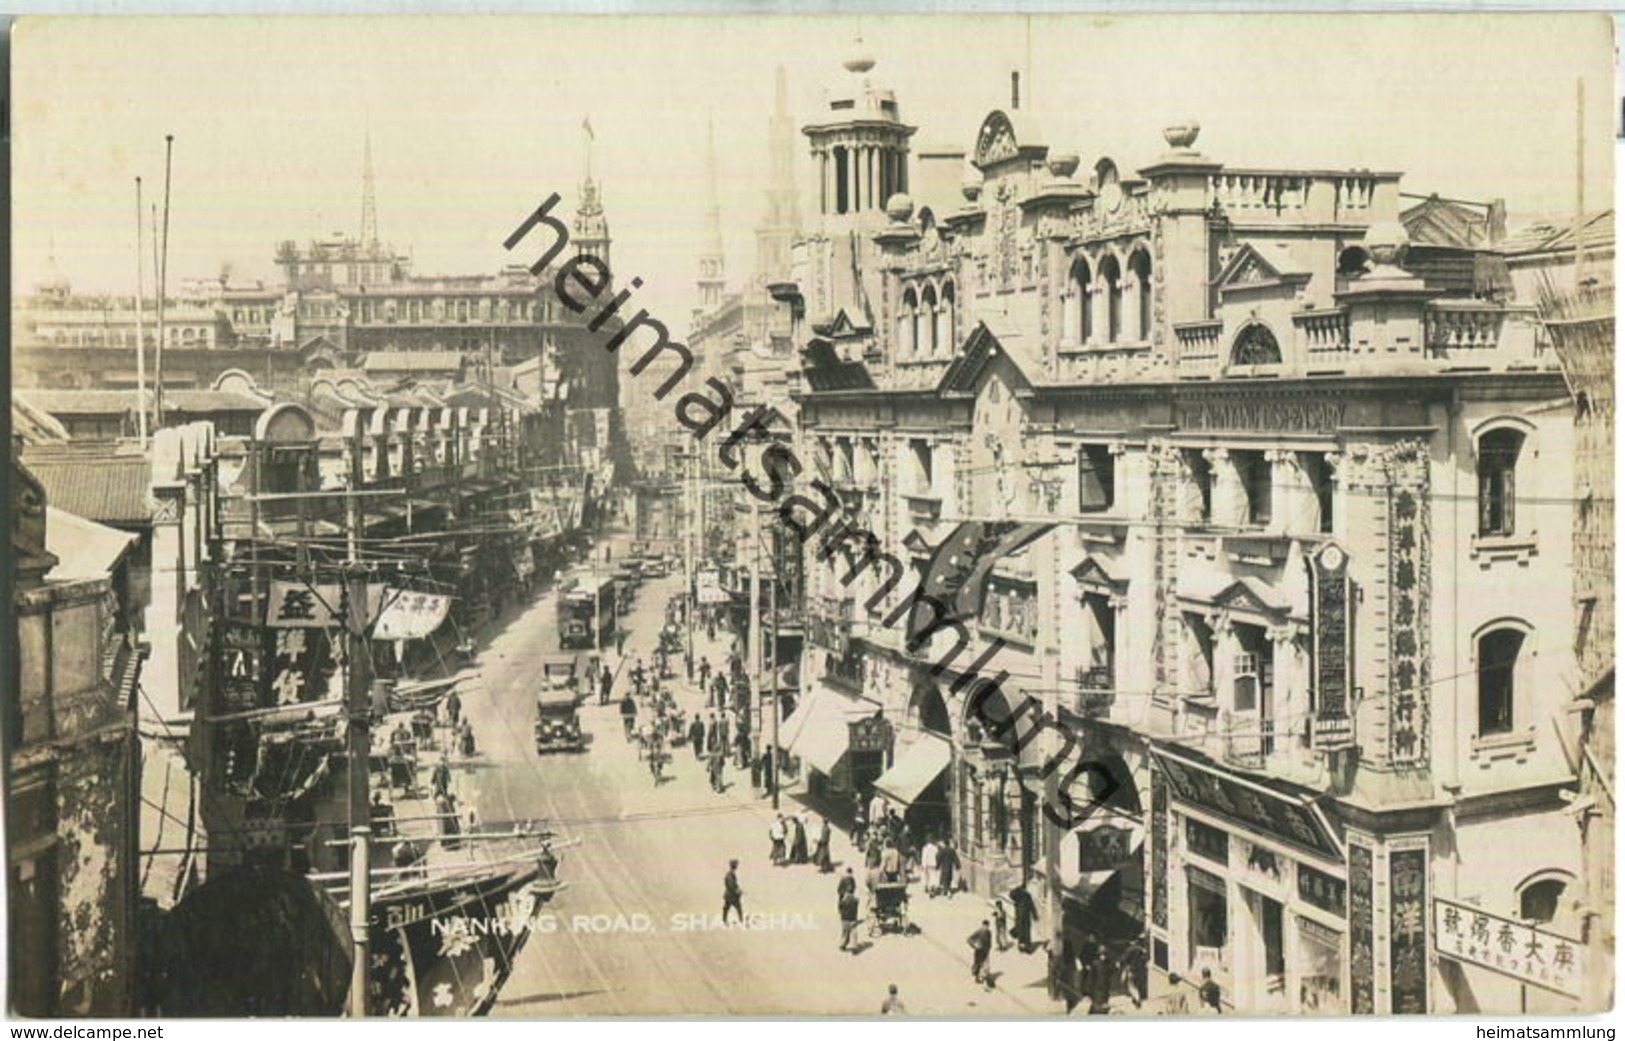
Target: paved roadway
[662, 852]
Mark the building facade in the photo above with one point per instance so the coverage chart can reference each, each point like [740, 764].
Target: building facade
[1240, 536]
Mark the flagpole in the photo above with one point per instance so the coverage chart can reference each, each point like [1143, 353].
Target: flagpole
[140, 328]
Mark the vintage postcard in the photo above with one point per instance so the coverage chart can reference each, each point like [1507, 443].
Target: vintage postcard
[1013, 515]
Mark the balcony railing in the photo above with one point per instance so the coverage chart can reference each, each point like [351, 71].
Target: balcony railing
[1248, 740]
[1296, 194]
[1324, 332]
[1198, 342]
[1095, 693]
[1456, 326]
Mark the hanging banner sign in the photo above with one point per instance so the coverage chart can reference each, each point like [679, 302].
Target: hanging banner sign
[1534, 956]
[302, 605]
[408, 615]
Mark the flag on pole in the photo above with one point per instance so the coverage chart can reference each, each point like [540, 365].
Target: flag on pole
[586, 124]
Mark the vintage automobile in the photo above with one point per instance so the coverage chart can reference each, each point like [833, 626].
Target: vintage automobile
[558, 726]
[563, 672]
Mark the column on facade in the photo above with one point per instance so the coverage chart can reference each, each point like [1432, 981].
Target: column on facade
[1229, 497]
[1226, 646]
[1098, 300]
[1290, 701]
[853, 178]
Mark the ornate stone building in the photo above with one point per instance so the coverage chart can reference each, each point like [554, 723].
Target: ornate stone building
[1257, 531]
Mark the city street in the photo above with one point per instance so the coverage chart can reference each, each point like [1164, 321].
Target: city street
[662, 852]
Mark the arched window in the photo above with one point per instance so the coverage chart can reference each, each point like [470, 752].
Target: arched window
[1538, 900]
[928, 310]
[1255, 345]
[1498, 452]
[1112, 277]
[908, 324]
[1140, 264]
[951, 339]
[1352, 262]
[1498, 652]
[1080, 322]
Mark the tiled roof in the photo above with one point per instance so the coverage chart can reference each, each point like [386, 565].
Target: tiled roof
[83, 548]
[212, 401]
[81, 402]
[1555, 236]
[413, 361]
[34, 425]
[108, 489]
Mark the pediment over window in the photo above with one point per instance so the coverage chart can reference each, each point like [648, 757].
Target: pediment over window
[1250, 268]
[1252, 596]
[1093, 575]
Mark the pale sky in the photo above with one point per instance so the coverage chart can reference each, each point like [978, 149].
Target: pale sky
[475, 120]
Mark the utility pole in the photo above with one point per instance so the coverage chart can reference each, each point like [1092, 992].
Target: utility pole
[773, 660]
[753, 640]
[358, 701]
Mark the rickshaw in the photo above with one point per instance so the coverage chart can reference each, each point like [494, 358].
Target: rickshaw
[888, 908]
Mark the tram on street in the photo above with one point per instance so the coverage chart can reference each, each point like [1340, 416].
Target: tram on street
[586, 613]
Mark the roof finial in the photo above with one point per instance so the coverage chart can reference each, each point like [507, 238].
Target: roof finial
[861, 60]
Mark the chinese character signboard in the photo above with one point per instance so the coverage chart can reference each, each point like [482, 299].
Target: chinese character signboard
[298, 669]
[1321, 890]
[1287, 818]
[1329, 646]
[1362, 955]
[1408, 929]
[869, 735]
[1534, 956]
[302, 605]
[407, 615]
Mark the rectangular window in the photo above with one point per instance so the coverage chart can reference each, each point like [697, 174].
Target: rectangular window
[1097, 478]
[1210, 916]
[1207, 842]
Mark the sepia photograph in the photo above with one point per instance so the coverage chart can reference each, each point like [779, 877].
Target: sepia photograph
[934, 515]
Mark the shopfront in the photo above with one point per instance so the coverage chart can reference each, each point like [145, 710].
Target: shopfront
[1254, 888]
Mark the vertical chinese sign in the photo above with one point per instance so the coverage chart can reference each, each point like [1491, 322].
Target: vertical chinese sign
[1408, 930]
[1362, 967]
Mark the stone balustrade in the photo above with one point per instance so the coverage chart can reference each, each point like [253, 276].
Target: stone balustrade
[1324, 331]
[1198, 341]
[1299, 194]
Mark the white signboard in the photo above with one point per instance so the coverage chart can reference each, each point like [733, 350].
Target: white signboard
[410, 616]
[1541, 959]
[300, 605]
[708, 588]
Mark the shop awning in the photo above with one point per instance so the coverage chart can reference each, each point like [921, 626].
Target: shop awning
[817, 730]
[915, 769]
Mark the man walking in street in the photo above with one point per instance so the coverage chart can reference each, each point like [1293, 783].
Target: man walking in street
[847, 884]
[848, 903]
[821, 847]
[776, 833]
[928, 866]
[705, 673]
[947, 865]
[731, 893]
[981, 946]
[715, 766]
[893, 1005]
[696, 737]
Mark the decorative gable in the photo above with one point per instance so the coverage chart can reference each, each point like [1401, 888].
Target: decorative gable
[1248, 268]
[1091, 574]
[1250, 596]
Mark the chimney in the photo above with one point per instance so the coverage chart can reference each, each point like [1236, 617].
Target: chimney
[1015, 90]
[1496, 220]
